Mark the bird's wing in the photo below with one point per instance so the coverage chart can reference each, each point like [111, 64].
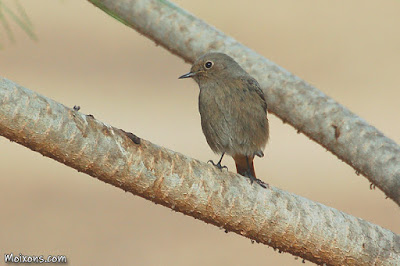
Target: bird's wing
[254, 86]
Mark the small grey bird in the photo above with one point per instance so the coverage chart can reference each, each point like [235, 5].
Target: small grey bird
[233, 111]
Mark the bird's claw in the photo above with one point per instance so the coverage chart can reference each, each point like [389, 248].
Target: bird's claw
[258, 181]
[218, 165]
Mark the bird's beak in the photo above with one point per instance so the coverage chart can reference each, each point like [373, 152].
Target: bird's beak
[187, 75]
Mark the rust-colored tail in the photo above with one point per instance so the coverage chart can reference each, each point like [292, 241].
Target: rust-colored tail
[243, 166]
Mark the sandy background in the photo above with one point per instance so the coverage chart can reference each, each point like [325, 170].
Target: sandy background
[349, 50]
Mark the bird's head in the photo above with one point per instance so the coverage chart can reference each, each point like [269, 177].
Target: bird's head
[213, 66]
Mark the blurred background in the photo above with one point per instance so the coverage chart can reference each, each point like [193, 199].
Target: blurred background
[348, 49]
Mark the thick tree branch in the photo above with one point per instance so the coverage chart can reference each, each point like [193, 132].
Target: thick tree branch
[296, 102]
[271, 216]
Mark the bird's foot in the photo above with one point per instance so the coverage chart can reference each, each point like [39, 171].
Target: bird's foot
[254, 179]
[218, 165]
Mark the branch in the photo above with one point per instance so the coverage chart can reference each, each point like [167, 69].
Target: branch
[296, 102]
[274, 217]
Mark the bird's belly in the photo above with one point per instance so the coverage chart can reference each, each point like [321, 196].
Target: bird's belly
[217, 130]
[226, 130]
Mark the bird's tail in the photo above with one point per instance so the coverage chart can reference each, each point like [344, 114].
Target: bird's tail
[244, 165]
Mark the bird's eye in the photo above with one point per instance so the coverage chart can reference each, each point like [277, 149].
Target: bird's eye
[208, 64]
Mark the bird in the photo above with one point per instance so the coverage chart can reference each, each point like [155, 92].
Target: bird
[233, 111]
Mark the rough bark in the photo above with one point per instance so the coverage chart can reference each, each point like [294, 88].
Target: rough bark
[274, 217]
[296, 102]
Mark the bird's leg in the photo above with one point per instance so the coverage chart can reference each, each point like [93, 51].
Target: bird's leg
[248, 173]
[252, 178]
[218, 165]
